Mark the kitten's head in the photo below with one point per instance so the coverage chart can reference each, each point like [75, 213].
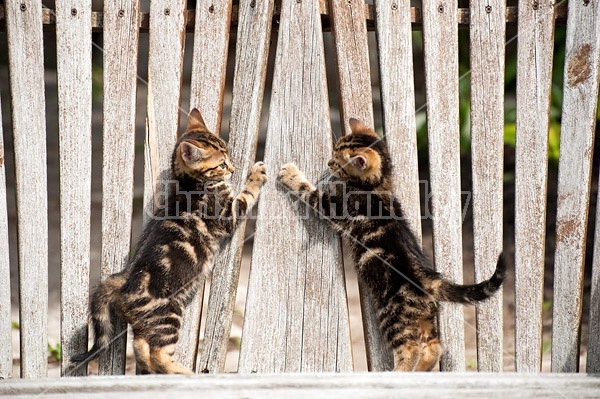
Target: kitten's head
[361, 157]
[200, 154]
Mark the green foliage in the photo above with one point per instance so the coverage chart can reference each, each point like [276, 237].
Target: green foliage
[54, 352]
[15, 325]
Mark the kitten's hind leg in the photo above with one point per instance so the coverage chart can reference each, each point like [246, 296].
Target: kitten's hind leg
[431, 347]
[164, 363]
[142, 355]
[407, 356]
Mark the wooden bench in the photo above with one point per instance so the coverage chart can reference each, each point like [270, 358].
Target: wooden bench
[296, 317]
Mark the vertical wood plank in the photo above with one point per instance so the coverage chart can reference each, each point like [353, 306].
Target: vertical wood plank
[121, 37]
[349, 29]
[296, 312]
[26, 62]
[440, 45]
[5, 314]
[167, 36]
[534, 75]
[211, 43]
[487, 154]
[578, 127]
[394, 43]
[74, 75]
[593, 350]
[252, 50]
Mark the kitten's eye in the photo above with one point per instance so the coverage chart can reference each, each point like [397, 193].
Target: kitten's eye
[223, 165]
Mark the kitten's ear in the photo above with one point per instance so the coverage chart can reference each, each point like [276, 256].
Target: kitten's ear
[195, 121]
[190, 153]
[357, 126]
[359, 162]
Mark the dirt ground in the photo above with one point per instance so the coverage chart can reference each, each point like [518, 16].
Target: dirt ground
[353, 299]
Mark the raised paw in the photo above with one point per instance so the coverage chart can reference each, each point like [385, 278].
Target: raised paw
[291, 177]
[258, 173]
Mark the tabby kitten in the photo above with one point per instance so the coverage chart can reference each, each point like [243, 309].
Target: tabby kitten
[358, 201]
[175, 251]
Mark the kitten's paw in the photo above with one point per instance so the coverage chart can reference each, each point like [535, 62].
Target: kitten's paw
[258, 173]
[291, 177]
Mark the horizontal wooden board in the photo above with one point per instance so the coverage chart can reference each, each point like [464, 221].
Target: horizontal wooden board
[311, 385]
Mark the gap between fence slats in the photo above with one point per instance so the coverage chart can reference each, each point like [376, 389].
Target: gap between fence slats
[487, 154]
[120, 52]
[5, 313]
[74, 76]
[578, 126]
[534, 75]
[26, 62]
[252, 50]
[296, 316]
[165, 67]
[440, 45]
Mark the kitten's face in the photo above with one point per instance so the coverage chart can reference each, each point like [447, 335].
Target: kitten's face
[201, 154]
[354, 159]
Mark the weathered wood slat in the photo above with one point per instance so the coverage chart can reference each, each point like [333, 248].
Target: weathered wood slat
[253, 39]
[440, 45]
[352, 49]
[356, 101]
[120, 76]
[5, 314]
[211, 42]
[487, 154]
[593, 350]
[314, 385]
[74, 75]
[165, 66]
[296, 315]
[394, 43]
[26, 61]
[578, 127]
[534, 66]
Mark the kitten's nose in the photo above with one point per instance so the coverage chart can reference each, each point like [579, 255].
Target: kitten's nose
[330, 163]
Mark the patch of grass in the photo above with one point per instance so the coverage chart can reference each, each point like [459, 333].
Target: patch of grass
[54, 352]
[15, 325]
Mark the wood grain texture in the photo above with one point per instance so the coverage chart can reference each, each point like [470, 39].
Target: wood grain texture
[253, 39]
[26, 62]
[120, 77]
[593, 350]
[354, 84]
[211, 42]
[440, 45]
[578, 126]
[314, 385]
[487, 155]
[5, 314]
[296, 316]
[394, 44]
[165, 65]
[74, 75]
[352, 54]
[534, 66]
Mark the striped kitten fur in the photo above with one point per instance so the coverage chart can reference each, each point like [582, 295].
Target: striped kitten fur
[358, 201]
[176, 249]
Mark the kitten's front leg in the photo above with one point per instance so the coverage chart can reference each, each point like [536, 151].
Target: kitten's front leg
[292, 178]
[247, 198]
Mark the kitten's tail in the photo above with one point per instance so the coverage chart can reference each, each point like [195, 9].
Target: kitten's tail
[101, 316]
[471, 294]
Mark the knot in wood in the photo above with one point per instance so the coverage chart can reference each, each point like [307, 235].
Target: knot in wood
[253, 4]
[488, 9]
[121, 13]
[298, 1]
[535, 5]
[23, 7]
[211, 9]
[586, 3]
[394, 6]
[441, 8]
[73, 12]
[167, 11]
